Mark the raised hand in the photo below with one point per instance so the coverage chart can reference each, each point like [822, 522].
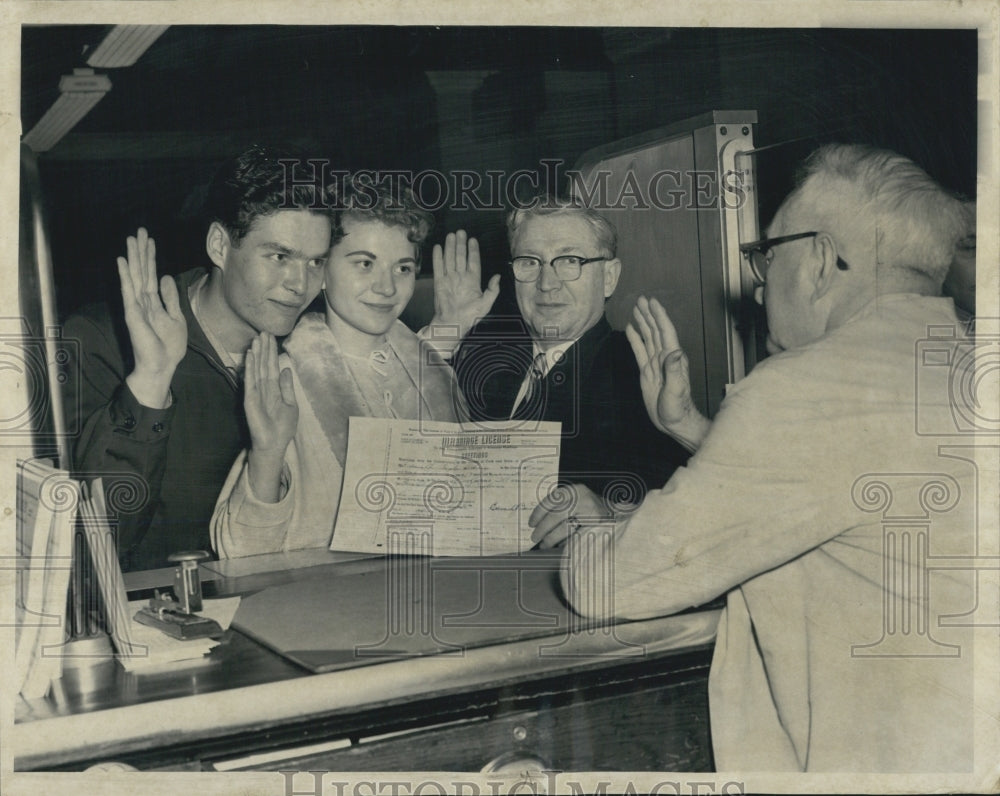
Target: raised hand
[459, 299]
[156, 326]
[663, 374]
[272, 415]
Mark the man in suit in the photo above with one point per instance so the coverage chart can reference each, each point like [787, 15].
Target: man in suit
[561, 361]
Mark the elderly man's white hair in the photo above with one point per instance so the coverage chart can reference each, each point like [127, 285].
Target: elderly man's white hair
[878, 202]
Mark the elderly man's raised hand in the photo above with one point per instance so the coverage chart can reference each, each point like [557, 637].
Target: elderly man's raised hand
[459, 299]
[156, 326]
[663, 374]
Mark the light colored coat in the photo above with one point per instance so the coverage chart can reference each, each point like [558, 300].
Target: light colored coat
[327, 396]
[822, 500]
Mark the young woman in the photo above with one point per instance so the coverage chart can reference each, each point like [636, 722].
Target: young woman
[357, 359]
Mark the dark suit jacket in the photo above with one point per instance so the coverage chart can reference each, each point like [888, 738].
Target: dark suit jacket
[608, 440]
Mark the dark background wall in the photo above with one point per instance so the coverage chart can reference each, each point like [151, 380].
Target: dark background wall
[449, 99]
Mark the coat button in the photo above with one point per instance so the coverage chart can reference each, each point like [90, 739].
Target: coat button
[157, 427]
[129, 421]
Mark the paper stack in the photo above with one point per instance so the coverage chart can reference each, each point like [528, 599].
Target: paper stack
[152, 648]
[47, 501]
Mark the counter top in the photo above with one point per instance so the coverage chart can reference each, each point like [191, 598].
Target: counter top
[243, 687]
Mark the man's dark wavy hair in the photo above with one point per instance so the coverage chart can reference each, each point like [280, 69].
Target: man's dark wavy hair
[260, 181]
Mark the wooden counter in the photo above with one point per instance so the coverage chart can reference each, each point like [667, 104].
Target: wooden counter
[629, 697]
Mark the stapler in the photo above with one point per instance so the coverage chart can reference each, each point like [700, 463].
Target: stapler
[176, 617]
[164, 613]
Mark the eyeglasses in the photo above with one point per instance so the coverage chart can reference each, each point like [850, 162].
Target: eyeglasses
[567, 267]
[758, 253]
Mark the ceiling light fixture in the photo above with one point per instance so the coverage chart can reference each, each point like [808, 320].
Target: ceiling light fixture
[124, 44]
[79, 92]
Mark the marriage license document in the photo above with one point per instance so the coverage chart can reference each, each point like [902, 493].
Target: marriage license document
[421, 487]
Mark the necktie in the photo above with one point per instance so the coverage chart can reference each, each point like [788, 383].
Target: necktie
[532, 404]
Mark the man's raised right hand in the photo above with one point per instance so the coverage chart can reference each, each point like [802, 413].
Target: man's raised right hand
[156, 326]
[459, 298]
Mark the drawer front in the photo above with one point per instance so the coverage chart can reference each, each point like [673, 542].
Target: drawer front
[664, 728]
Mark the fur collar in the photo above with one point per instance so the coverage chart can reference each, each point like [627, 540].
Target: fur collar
[334, 396]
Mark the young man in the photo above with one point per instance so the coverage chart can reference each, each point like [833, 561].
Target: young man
[161, 405]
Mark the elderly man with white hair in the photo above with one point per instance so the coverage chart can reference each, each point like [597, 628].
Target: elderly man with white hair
[815, 501]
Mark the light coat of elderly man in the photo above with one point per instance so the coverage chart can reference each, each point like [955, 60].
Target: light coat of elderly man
[819, 499]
